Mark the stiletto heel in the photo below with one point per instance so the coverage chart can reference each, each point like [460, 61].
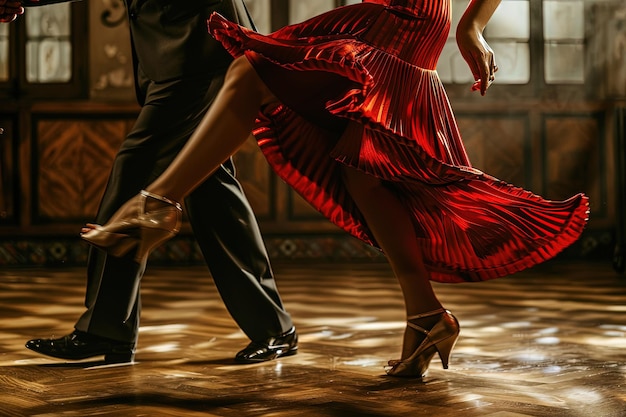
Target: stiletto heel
[440, 339]
[150, 239]
[139, 229]
[444, 348]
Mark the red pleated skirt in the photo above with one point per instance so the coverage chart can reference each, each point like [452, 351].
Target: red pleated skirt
[358, 86]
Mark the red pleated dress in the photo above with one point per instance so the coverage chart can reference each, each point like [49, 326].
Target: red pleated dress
[374, 63]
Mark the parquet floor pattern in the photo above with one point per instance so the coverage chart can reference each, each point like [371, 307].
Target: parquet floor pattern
[545, 342]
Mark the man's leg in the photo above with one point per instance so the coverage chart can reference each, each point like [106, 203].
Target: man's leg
[110, 322]
[168, 118]
[229, 237]
[112, 297]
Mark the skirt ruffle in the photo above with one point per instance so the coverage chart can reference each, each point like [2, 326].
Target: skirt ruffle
[471, 226]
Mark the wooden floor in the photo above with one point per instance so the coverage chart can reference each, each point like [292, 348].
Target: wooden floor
[546, 342]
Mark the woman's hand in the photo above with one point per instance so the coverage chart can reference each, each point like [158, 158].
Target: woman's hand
[474, 49]
[9, 10]
[479, 56]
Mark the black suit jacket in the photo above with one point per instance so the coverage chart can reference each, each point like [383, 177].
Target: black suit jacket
[170, 38]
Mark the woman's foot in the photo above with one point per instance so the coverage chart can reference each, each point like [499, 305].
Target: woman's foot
[142, 223]
[426, 334]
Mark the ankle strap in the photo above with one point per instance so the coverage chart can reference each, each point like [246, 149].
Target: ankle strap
[161, 198]
[422, 315]
[427, 314]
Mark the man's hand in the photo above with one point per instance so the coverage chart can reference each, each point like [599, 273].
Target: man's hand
[10, 10]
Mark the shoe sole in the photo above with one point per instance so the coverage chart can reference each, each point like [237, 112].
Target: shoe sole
[290, 352]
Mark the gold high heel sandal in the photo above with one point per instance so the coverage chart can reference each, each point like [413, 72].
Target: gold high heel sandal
[439, 339]
[143, 230]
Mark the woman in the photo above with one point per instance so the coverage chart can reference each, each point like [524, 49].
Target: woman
[349, 110]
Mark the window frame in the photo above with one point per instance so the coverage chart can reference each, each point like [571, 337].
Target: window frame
[536, 88]
[16, 87]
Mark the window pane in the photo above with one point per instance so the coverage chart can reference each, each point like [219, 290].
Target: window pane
[4, 52]
[564, 33]
[458, 8]
[301, 10]
[564, 63]
[511, 20]
[563, 19]
[48, 46]
[508, 33]
[260, 12]
[513, 60]
[452, 68]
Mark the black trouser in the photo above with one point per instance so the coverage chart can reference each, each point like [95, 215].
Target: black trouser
[220, 215]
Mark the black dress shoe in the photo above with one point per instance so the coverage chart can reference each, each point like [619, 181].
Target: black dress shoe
[285, 344]
[80, 345]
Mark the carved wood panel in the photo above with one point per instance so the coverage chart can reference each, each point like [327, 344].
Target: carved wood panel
[72, 163]
[7, 171]
[498, 145]
[574, 153]
[298, 209]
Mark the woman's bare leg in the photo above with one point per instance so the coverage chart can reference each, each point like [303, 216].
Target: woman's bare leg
[223, 130]
[393, 229]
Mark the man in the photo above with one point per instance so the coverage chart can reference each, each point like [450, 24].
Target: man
[178, 69]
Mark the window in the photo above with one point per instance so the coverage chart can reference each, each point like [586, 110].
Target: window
[4, 52]
[48, 44]
[301, 10]
[563, 34]
[260, 10]
[508, 33]
[43, 53]
[537, 43]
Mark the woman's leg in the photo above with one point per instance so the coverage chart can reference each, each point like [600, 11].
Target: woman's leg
[393, 229]
[225, 127]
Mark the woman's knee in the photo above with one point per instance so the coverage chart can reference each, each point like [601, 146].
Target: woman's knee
[243, 74]
[240, 70]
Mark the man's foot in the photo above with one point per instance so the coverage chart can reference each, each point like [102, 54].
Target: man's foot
[285, 344]
[80, 345]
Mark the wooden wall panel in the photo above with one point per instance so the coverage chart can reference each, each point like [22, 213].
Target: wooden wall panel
[300, 210]
[499, 145]
[55, 161]
[61, 153]
[7, 171]
[72, 163]
[574, 159]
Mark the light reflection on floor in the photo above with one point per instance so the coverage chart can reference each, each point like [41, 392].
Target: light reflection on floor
[542, 343]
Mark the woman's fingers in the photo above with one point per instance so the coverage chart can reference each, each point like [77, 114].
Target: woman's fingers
[487, 70]
[9, 10]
